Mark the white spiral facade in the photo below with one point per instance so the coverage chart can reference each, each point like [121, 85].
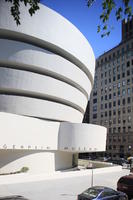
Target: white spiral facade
[46, 72]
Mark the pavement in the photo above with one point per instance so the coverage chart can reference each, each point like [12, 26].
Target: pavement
[59, 185]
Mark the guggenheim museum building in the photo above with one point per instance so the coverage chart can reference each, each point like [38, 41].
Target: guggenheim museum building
[46, 76]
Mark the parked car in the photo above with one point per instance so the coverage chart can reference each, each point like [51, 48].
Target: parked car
[102, 193]
[13, 197]
[125, 184]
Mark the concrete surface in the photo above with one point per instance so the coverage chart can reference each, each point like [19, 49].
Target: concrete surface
[59, 186]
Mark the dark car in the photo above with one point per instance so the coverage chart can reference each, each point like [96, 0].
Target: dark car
[102, 193]
[125, 184]
[13, 197]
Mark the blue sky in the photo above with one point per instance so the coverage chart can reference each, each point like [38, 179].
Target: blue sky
[86, 20]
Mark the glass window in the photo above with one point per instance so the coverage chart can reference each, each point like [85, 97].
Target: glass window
[94, 108]
[123, 67]
[128, 72]
[123, 83]
[118, 68]
[110, 104]
[94, 100]
[106, 114]
[114, 70]
[123, 75]
[129, 109]
[119, 92]
[128, 100]
[105, 97]
[119, 102]
[119, 84]
[94, 116]
[118, 76]
[123, 101]
[128, 91]
[128, 63]
[128, 81]
[123, 92]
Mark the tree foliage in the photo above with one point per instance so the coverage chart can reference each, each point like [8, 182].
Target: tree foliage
[15, 8]
[122, 10]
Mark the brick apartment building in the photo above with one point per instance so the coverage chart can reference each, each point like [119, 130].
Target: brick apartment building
[111, 101]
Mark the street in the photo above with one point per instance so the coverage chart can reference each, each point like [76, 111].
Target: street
[62, 188]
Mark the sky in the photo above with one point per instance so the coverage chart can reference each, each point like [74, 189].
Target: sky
[86, 20]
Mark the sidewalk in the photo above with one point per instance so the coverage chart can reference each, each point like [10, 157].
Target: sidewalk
[27, 177]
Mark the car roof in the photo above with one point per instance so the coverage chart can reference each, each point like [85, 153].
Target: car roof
[101, 188]
[130, 176]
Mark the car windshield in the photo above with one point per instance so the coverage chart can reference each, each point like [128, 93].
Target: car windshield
[91, 193]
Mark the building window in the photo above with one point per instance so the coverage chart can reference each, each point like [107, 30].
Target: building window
[110, 104]
[124, 129]
[119, 85]
[110, 96]
[119, 129]
[118, 76]
[123, 75]
[128, 81]
[114, 130]
[118, 68]
[123, 110]
[118, 92]
[123, 67]
[119, 102]
[128, 63]
[128, 91]
[123, 101]
[94, 100]
[105, 105]
[128, 72]
[106, 114]
[129, 118]
[114, 121]
[119, 120]
[129, 128]
[129, 109]
[94, 108]
[123, 83]
[94, 116]
[123, 92]
[128, 100]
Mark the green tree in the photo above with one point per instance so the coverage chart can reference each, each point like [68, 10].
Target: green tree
[122, 10]
[15, 5]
